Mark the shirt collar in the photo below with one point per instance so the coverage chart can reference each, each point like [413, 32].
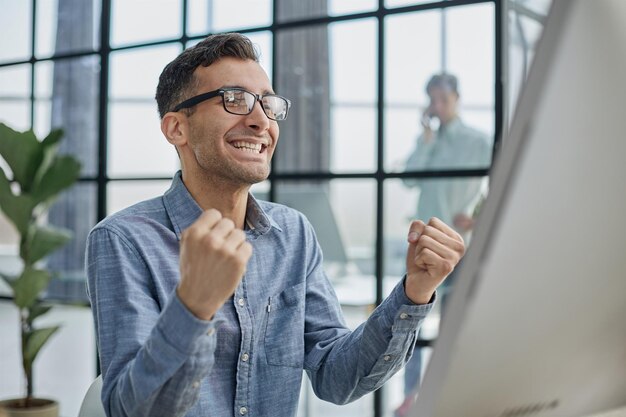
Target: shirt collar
[452, 126]
[183, 210]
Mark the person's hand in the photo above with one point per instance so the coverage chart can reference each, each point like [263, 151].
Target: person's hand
[426, 125]
[434, 250]
[213, 258]
[463, 222]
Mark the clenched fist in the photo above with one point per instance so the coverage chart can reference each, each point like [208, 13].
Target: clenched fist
[434, 250]
[213, 258]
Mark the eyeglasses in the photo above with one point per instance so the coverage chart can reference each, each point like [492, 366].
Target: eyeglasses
[241, 102]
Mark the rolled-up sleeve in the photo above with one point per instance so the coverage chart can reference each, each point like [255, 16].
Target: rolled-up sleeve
[152, 357]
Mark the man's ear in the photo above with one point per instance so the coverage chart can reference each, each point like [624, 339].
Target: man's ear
[175, 128]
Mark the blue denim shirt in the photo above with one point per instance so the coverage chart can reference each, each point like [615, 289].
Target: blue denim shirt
[158, 359]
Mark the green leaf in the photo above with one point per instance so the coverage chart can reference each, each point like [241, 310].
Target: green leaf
[5, 185]
[42, 241]
[36, 311]
[35, 340]
[28, 286]
[22, 152]
[61, 174]
[18, 208]
[53, 138]
[50, 147]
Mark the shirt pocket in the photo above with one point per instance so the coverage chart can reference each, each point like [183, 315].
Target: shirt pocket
[284, 330]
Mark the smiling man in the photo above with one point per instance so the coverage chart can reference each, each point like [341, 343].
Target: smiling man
[208, 302]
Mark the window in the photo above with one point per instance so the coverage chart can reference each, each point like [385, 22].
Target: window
[356, 72]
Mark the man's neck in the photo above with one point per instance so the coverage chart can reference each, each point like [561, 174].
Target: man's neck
[229, 199]
[450, 120]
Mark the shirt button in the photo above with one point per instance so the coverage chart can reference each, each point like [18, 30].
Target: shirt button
[210, 331]
[387, 358]
[195, 384]
[241, 302]
[245, 357]
[404, 316]
[243, 411]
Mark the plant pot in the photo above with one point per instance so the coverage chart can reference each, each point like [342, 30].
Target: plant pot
[40, 407]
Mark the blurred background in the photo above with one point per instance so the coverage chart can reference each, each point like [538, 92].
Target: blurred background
[367, 147]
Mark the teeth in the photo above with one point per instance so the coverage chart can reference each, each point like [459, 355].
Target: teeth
[247, 146]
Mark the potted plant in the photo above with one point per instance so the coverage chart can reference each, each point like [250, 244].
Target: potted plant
[38, 175]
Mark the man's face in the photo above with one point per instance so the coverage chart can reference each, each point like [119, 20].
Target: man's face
[234, 148]
[443, 103]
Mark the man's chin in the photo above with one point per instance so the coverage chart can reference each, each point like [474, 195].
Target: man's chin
[255, 177]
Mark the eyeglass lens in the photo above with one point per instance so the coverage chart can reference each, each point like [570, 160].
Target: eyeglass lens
[242, 102]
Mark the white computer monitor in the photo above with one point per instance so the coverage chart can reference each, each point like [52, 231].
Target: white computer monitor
[537, 323]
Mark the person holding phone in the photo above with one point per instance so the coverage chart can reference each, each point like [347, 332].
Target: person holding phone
[446, 143]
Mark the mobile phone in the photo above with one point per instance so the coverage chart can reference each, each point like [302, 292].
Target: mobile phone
[427, 117]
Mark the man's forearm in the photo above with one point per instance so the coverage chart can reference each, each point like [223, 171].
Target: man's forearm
[363, 360]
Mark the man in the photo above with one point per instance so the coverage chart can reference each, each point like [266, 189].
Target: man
[210, 303]
[453, 146]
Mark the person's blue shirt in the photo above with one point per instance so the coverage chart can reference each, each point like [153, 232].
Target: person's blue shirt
[158, 359]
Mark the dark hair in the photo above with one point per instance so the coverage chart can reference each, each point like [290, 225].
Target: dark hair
[443, 80]
[177, 82]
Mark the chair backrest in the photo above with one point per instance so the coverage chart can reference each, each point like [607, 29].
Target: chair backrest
[92, 403]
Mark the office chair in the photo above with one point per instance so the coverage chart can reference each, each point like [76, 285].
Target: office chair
[92, 404]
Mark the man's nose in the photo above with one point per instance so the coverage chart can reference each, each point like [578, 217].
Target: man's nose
[257, 119]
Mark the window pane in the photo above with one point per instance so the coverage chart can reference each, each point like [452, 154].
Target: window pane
[15, 96]
[415, 136]
[135, 21]
[137, 147]
[74, 210]
[80, 23]
[15, 82]
[263, 41]
[331, 81]
[44, 71]
[470, 53]
[66, 96]
[15, 113]
[339, 7]
[16, 20]
[296, 10]
[457, 202]
[353, 144]
[353, 64]
[400, 3]
[123, 194]
[525, 26]
[135, 72]
[405, 75]
[211, 16]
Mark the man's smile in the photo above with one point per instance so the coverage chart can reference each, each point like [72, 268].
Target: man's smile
[251, 147]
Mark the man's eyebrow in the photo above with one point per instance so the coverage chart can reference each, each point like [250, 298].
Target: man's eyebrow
[244, 88]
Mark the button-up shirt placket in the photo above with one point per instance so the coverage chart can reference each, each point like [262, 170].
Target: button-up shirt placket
[244, 366]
